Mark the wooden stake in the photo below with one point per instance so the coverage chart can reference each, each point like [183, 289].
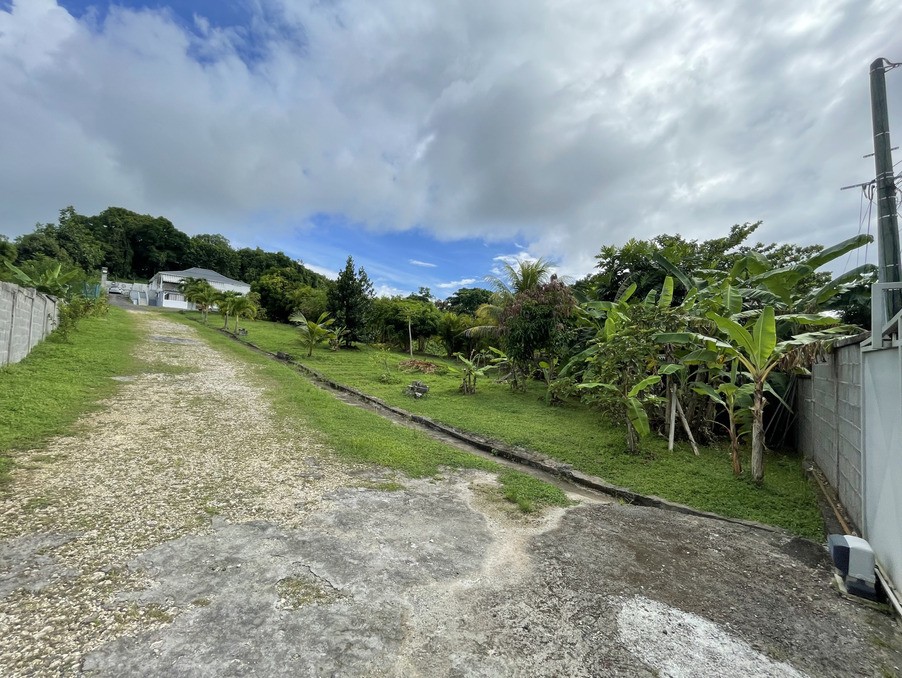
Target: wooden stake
[672, 419]
[687, 429]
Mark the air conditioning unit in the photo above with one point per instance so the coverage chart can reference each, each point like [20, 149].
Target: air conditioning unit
[853, 558]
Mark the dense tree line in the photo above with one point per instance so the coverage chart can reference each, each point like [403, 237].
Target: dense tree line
[136, 246]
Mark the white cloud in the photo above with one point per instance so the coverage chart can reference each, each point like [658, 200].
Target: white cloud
[564, 126]
[424, 264]
[389, 291]
[456, 284]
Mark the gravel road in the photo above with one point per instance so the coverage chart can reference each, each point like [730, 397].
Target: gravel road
[183, 530]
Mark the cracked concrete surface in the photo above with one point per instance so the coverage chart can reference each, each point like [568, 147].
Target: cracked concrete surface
[310, 574]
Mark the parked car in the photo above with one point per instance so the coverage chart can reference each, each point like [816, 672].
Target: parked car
[116, 289]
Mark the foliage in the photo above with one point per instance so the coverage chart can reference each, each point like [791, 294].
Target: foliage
[758, 353]
[451, 330]
[135, 245]
[618, 359]
[226, 304]
[311, 301]
[534, 323]
[47, 276]
[574, 434]
[201, 293]
[469, 371]
[313, 333]
[76, 308]
[635, 262]
[8, 251]
[526, 275]
[349, 300]
[244, 306]
[466, 300]
[213, 251]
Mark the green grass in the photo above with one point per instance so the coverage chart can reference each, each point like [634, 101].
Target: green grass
[358, 435]
[44, 394]
[574, 434]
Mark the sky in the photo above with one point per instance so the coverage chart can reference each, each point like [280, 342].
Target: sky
[433, 141]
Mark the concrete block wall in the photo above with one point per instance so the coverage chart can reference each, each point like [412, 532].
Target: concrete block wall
[828, 427]
[26, 318]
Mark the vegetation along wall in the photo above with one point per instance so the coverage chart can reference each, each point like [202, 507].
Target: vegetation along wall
[26, 317]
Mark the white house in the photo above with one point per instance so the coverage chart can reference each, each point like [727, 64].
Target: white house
[163, 289]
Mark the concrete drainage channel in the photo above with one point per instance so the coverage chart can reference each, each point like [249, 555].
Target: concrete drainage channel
[550, 470]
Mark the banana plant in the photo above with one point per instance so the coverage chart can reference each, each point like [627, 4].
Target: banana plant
[469, 372]
[637, 425]
[735, 399]
[758, 353]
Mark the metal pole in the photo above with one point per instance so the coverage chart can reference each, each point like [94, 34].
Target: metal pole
[889, 265]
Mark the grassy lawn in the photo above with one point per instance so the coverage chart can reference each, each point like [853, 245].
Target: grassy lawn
[362, 436]
[60, 380]
[572, 433]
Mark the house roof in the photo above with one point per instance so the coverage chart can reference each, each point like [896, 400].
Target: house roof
[203, 274]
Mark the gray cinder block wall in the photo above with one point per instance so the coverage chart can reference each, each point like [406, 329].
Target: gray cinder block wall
[26, 317]
[828, 429]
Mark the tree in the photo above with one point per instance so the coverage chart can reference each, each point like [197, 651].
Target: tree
[467, 300]
[422, 320]
[48, 276]
[157, 245]
[78, 241]
[227, 305]
[534, 323]
[42, 242]
[244, 306]
[313, 333]
[7, 250]
[637, 261]
[214, 252]
[616, 366]
[756, 349]
[526, 275]
[311, 301]
[451, 328]
[201, 294]
[349, 299]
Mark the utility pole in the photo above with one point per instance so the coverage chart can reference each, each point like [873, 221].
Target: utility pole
[890, 261]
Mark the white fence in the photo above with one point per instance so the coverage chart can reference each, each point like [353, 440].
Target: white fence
[26, 317]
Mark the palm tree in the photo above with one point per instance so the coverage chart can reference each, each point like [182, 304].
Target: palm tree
[201, 294]
[526, 275]
[243, 307]
[226, 304]
[313, 333]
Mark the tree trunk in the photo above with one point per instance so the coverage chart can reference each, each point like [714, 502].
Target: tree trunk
[734, 447]
[758, 434]
[632, 438]
[410, 337]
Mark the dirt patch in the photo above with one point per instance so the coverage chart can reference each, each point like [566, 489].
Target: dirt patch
[186, 531]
